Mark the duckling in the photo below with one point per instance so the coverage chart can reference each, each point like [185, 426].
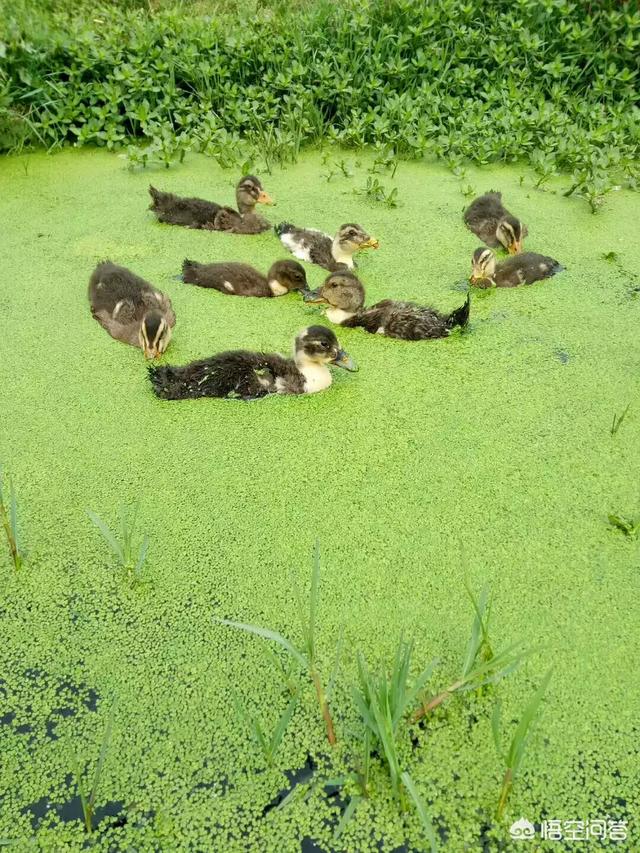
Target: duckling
[319, 248]
[249, 375]
[131, 309]
[198, 213]
[243, 280]
[522, 269]
[345, 295]
[491, 222]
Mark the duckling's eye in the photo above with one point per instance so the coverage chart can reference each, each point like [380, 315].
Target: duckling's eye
[325, 344]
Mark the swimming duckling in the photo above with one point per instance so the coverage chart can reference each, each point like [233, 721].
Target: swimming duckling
[489, 220]
[198, 213]
[249, 375]
[243, 280]
[332, 253]
[131, 309]
[522, 269]
[344, 293]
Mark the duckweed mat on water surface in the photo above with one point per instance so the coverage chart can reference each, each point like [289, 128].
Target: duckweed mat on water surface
[495, 443]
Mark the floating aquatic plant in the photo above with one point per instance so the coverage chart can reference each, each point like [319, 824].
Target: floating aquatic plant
[375, 191]
[627, 525]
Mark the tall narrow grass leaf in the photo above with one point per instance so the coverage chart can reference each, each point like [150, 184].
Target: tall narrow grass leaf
[267, 634]
[107, 535]
[429, 831]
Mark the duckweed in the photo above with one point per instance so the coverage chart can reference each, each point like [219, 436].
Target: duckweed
[485, 439]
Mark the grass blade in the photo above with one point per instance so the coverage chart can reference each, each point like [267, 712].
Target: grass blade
[106, 740]
[313, 599]
[520, 737]
[107, 535]
[142, 556]
[281, 727]
[267, 634]
[336, 666]
[13, 519]
[495, 726]
[88, 817]
[429, 831]
[353, 804]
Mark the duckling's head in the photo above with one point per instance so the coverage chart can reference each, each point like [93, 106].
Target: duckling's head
[285, 276]
[154, 335]
[342, 290]
[316, 346]
[511, 232]
[249, 192]
[350, 238]
[483, 265]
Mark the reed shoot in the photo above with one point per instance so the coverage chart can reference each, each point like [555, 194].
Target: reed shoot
[514, 756]
[481, 665]
[130, 557]
[9, 515]
[88, 798]
[306, 653]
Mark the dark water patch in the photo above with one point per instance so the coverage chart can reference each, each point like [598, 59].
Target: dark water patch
[562, 355]
[71, 811]
[8, 718]
[461, 286]
[296, 777]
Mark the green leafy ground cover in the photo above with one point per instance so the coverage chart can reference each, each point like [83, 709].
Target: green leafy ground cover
[488, 456]
[551, 82]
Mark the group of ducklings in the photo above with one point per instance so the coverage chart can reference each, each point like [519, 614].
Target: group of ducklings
[135, 312]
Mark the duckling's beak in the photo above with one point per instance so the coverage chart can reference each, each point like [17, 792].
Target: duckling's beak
[371, 243]
[343, 359]
[515, 247]
[151, 353]
[313, 296]
[265, 198]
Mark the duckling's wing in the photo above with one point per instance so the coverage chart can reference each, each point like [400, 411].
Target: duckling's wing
[404, 320]
[525, 269]
[127, 332]
[251, 223]
[227, 219]
[307, 244]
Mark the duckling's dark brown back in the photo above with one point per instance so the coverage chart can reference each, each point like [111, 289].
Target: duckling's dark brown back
[110, 283]
[483, 215]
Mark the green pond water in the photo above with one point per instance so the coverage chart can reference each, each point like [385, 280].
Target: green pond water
[487, 455]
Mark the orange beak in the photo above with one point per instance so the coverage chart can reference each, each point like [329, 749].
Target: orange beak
[265, 198]
[515, 247]
[371, 243]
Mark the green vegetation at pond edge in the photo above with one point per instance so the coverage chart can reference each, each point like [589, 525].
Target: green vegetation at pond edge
[497, 439]
[550, 82]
